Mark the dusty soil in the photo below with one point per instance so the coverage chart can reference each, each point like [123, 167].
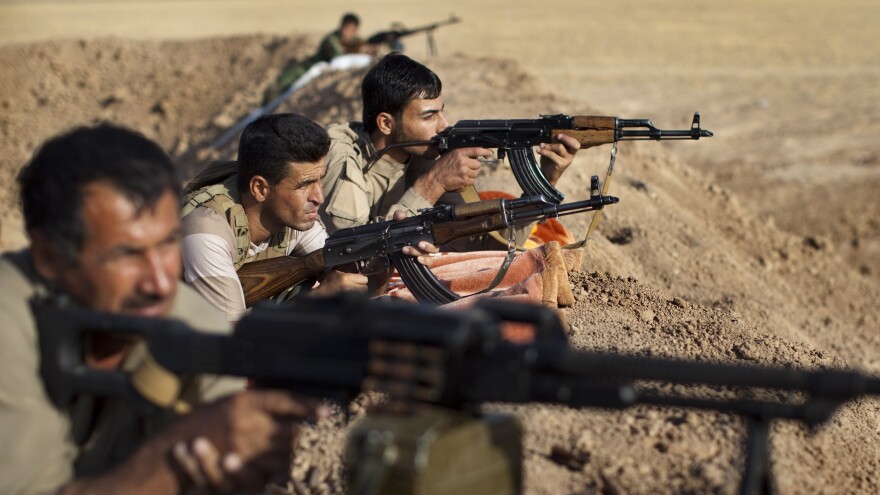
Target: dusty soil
[760, 245]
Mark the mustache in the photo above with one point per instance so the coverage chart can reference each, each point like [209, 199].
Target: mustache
[144, 301]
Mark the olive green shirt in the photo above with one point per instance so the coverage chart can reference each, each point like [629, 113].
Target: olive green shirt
[45, 447]
[331, 46]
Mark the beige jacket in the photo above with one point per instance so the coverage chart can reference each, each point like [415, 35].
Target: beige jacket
[355, 194]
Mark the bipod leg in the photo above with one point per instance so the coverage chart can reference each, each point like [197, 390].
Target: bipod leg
[757, 478]
[432, 48]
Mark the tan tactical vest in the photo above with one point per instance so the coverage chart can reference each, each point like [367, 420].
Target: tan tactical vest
[216, 187]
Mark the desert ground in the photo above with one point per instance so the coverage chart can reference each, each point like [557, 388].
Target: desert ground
[760, 245]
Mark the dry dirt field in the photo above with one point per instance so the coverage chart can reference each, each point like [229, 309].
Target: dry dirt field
[760, 245]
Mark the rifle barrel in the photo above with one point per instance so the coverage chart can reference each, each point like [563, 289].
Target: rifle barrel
[546, 209]
[384, 36]
[658, 134]
[829, 384]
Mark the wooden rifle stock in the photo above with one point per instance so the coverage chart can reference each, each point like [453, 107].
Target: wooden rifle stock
[590, 130]
[439, 225]
[446, 232]
[265, 278]
[480, 207]
[514, 139]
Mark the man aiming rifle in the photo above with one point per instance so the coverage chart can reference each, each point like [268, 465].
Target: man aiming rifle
[405, 155]
[384, 243]
[403, 103]
[345, 40]
[437, 367]
[263, 206]
[341, 41]
[101, 209]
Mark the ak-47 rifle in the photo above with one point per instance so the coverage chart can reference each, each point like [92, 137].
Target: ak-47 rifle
[384, 241]
[515, 139]
[449, 360]
[392, 37]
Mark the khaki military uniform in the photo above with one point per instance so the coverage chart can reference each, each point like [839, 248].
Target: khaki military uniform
[357, 193]
[45, 447]
[216, 242]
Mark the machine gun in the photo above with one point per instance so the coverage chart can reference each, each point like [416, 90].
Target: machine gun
[450, 361]
[392, 37]
[515, 138]
[384, 242]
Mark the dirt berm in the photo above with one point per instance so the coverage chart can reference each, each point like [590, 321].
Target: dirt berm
[680, 268]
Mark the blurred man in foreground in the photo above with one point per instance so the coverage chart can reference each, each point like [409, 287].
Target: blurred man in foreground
[101, 209]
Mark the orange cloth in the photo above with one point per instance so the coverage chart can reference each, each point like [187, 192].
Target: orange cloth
[542, 233]
[539, 275]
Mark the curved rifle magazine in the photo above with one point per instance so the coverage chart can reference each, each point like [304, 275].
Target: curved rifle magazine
[528, 174]
[421, 282]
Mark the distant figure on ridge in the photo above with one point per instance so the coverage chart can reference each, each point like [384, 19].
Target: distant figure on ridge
[343, 40]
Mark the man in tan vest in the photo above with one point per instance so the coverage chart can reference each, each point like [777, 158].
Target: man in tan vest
[402, 102]
[101, 209]
[263, 206]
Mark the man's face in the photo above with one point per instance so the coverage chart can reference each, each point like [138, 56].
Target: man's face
[294, 200]
[130, 261]
[348, 31]
[420, 120]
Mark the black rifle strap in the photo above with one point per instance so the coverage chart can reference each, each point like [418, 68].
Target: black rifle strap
[597, 215]
[505, 265]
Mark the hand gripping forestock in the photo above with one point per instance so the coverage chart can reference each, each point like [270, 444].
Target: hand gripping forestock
[442, 225]
[515, 138]
[384, 241]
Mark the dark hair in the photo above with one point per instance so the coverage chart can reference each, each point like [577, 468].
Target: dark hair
[392, 83]
[52, 183]
[271, 143]
[350, 18]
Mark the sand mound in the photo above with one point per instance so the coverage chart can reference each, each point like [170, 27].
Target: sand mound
[170, 91]
[681, 268]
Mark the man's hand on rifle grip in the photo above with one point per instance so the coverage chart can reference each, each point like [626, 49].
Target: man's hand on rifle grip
[379, 274]
[333, 282]
[236, 444]
[423, 250]
[453, 171]
[556, 157]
